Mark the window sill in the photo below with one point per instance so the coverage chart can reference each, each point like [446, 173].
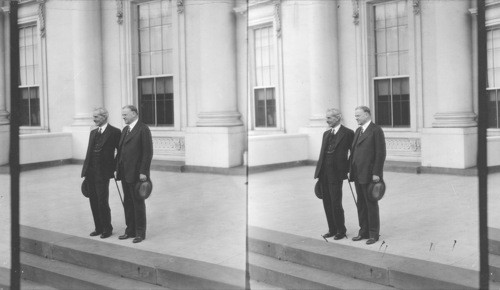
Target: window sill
[264, 131]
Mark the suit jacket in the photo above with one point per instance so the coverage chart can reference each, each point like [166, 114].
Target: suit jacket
[110, 138]
[342, 145]
[135, 152]
[368, 154]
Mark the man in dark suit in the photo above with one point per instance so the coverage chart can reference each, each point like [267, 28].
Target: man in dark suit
[367, 164]
[135, 152]
[98, 168]
[331, 170]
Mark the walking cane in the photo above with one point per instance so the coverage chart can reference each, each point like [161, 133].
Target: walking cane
[119, 190]
[352, 192]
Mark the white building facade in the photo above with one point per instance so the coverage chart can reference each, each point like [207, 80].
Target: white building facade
[414, 63]
[213, 77]
[182, 63]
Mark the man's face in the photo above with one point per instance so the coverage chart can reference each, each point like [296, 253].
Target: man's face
[332, 120]
[128, 116]
[361, 116]
[99, 120]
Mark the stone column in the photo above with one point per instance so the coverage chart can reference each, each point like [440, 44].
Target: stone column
[323, 68]
[87, 70]
[87, 59]
[217, 139]
[454, 127]
[323, 59]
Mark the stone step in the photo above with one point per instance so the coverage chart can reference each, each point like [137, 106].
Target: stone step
[295, 276]
[68, 276]
[494, 241]
[259, 285]
[145, 266]
[25, 284]
[372, 266]
[168, 165]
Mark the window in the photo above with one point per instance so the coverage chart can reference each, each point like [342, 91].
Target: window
[155, 81]
[28, 76]
[265, 79]
[391, 82]
[493, 44]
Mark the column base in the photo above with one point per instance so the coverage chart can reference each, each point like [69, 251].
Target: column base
[449, 148]
[454, 120]
[80, 140]
[315, 139]
[4, 118]
[4, 144]
[219, 119]
[215, 146]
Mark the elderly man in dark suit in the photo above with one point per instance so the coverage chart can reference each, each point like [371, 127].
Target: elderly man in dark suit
[135, 152]
[331, 170]
[98, 168]
[367, 164]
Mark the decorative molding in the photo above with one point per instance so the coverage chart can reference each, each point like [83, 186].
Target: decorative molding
[180, 6]
[119, 11]
[169, 145]
[242, 10]
[416, 7]
[410, 145]
[355, 12]
[277, 17]
[41, 16]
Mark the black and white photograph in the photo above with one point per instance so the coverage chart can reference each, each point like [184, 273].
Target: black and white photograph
[249, 144]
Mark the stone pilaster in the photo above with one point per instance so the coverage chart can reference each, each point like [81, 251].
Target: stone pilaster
[4, 114]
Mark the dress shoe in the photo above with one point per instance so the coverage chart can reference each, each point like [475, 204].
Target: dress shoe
[106, 235]
[339, 236]
[358, 238]
[137, 240]
[371, 241]
[125, 236]
[328, 235]
[94, 233]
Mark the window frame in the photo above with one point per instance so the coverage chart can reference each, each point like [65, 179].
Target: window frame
[414, 63]
[177, 46]
[253, 24]
[491, 27]
[33, 20]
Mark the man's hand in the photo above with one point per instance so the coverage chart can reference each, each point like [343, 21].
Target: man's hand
[143, 177]
[376, 178]
[116, 175]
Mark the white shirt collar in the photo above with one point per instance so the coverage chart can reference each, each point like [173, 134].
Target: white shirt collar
[335, 129]
[132, 125]
[103, 127]
[366, 125]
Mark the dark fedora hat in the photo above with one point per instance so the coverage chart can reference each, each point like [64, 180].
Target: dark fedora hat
[143, 189]
[318, 190]
[376, 190]
[85, 188]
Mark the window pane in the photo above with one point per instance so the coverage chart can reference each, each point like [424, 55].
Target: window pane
[143, 16]
[379, 16]
[156, 42]
[380, 41]
[167, 37]
[493, 110]
[156, 63]
[403, 38]
[401, 102]
[270, 108]
[402, 16]
[29, 75]
[392, 64]
[22, 73]
[146, 101]
[403, 63]
[34, 107]
[260, 108]
[25, 107]
[144, 40]
[491, 81]
[154, 14]
[496, 38]
[381, 65]
[28, 36]
[167, 62]
[391, 14]
[392, 39]
[383, 103]
[264, 57]
[496, 72]
[166, 11]
[145, 64]
[165, 101]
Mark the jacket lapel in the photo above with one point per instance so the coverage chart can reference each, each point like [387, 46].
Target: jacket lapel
[340, 134]
[105, 134]
[365, 134]
[132, 133]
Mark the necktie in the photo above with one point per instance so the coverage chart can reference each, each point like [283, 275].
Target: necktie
[128, 130]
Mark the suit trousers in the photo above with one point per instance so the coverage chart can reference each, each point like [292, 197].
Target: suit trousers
[332, 202]
[368, 213]
[99, 203]
[135, 211]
